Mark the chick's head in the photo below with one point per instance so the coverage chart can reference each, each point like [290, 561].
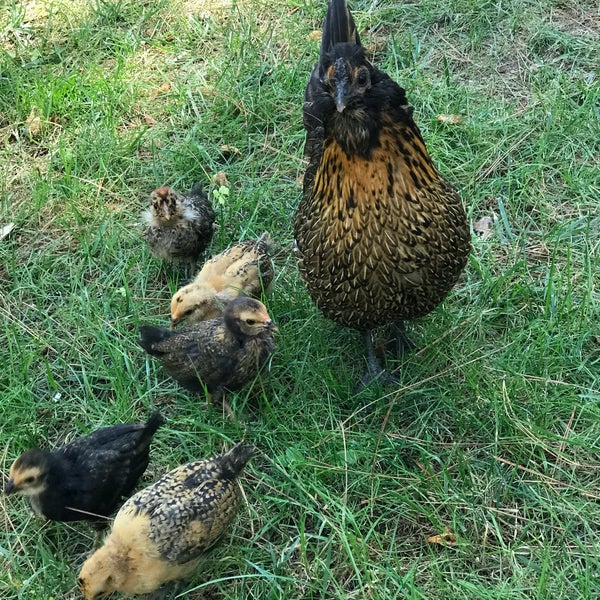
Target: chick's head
[194, 303]
[248, 317]
[28, 473]
[166, 204]
[101, 574]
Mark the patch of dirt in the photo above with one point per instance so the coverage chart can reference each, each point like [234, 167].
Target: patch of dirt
[576, 20]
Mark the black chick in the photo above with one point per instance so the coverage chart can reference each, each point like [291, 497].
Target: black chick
[86, 479]
[381, 236]
[179, 228]
[224, 354]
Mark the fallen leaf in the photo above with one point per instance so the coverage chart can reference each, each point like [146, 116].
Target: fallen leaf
[228, 150]
[165, 87]
[315, 36]
[447, 538]
[33, 122]
[149, 119]
[6, 229]
[484, 227]
[221, 179]
[450, 119]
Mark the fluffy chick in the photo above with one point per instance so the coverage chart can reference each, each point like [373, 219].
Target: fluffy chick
[179, 228]
[86, 479]
[223, 354]
[244, 269]
[160, 534]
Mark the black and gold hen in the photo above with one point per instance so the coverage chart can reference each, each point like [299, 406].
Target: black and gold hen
[87, 479]
[381, 236]
[224, 354]
[179, 228]
[160, 534]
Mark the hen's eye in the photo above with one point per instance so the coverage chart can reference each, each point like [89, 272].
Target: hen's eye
[363, 78]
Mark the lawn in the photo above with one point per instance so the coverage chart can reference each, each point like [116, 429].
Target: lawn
[477, 476]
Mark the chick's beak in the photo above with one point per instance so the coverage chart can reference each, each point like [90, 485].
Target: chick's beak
[270, 325]
[174, 322]
[10, 487]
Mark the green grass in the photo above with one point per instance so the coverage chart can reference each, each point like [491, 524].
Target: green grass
[493, 431]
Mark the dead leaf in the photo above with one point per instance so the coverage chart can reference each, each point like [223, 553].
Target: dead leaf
[33, 123]
[6, 229]
[315, 36]
[300, 180]
[447, 538]
[484, 227]
[221, 179]
[165, 87]
[149, 119]
[450, 119]
[228, 150]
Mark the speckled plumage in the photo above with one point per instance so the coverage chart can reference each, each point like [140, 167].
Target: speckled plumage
[244, 269]
[225, 353]
[381, 235]
[87, 478]
[161, 532]
[179, 228]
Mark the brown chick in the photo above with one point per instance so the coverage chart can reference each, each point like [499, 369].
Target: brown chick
[161, 533]
[223, 354]
[244, 269]
[87, 479]
[179, 228]
[381, 235]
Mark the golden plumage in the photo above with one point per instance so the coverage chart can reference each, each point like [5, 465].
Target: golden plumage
[160, 533]
[242, 269]
[381, 235]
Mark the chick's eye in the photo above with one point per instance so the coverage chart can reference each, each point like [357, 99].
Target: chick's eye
[29, 479]
[250, 321]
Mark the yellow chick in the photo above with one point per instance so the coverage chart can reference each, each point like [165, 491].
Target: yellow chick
[244, 269]
[161, 533]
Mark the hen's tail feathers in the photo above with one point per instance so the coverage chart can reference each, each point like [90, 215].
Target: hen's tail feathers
[235, 460]
[150, 335]
[339, 27]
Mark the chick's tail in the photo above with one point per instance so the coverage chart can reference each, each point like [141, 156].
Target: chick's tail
[155, 420]
[235, 460]
[151, 335]
[339, 27]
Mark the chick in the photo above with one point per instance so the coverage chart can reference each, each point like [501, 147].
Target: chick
[160, 534]
[86, 479]
[179, 228]
[223, 354]
[244, 269]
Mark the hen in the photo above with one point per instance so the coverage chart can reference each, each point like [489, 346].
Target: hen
[179, 228]
[160, 534]
[224, 354]
[242, 269]
[381, 236]
[86, 479]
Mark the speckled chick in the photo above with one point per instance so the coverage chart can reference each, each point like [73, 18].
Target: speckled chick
[179, 228]
[224, 354]
[381, 234]
[244, 269]
[160, 534]
[87, 479]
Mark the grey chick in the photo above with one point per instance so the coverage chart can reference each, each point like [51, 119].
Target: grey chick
[224, 354]
[179, 228]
